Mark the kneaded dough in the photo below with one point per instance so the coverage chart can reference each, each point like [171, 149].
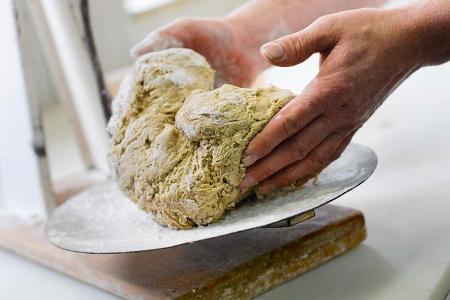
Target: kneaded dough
[176, 144]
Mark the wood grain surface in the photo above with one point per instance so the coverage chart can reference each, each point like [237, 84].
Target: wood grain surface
[236, 266]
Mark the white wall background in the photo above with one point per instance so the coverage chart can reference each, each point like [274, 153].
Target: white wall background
[116, 31]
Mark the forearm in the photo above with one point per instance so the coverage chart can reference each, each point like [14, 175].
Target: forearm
[260, 21]
[430, 28]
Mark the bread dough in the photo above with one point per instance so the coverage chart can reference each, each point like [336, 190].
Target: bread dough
[176, 144]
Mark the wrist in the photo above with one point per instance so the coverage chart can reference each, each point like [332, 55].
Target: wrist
[428, 24]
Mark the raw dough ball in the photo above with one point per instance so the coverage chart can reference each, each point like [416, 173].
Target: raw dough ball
[176, 144]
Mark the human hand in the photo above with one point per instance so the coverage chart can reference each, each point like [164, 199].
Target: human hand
[223, 43]
[365, 54]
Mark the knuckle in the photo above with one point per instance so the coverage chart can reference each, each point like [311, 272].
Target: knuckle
[309, 104]
[328, 93]
[298, 45]
[337, 154]
[280, 183]
[341, 135]
[318, 160]
[261, 145]
[348, 113]
[324, 21]
[186, 24]
[345, 119]
[289, 177]
[347, 59]
[183, 20]
[328, 23]
[288, 126]
[298, 151]
[294, 45]
[328, 123]
[173, 28]
[310, 166]
[262, 172]
[343, 127]
[337, 85]
[301, 181]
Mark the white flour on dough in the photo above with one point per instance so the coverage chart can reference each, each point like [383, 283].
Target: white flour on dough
[176, 144]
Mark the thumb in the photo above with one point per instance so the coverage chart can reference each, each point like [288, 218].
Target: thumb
[297, 47]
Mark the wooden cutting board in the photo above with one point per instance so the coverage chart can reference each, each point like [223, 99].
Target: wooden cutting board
[236, 266]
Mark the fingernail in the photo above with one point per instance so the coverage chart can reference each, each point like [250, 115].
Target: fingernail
[273, 50]
[247, 183]
[249, 160]
[266, 189]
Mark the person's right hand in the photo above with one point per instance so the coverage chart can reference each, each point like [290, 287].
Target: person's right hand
[225, 46]
[365, 55]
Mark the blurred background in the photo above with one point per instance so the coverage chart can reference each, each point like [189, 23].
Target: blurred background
[406, 254]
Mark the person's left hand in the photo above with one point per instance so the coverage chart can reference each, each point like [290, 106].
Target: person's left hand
[365, 54]
[224, 43]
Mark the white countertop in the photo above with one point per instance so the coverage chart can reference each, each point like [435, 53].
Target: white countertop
[406, 204]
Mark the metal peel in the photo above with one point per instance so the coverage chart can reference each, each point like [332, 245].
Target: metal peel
[102, 220]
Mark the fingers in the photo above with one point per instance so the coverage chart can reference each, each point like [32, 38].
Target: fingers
[297, 47]
[295, 148]
[288, 121]
[173, 35]
[155, 41]
[300, 171]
